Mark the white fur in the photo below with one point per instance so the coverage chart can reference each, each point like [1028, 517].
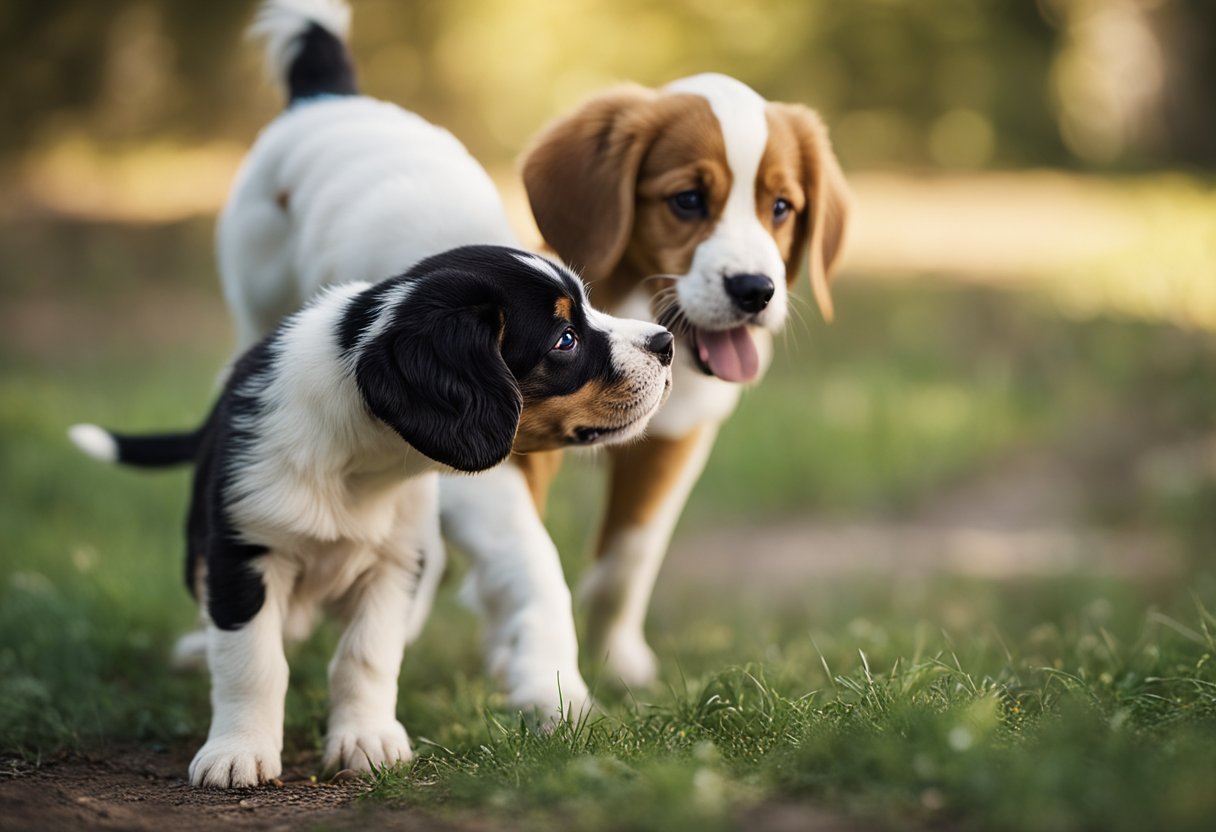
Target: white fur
[281, 22]
[370, 189]
[315, 434]
[94, 441]
[516, 583]
[542, 265]
[354, 189]
[617, 589]
[248, 685]
[631, 356]
[739, 244]
[349, 514]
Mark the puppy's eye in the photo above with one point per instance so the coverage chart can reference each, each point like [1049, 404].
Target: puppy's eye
[689, 205]
[781, 210]
[567, 342]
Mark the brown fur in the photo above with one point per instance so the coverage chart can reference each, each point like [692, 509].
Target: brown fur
[798, 146]
[549, 423]
[642, 475]
[539, 469]
[600, 178]
[598, 182]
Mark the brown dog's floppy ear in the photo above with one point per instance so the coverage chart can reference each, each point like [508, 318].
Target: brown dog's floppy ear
[823, 223]
[580, 174]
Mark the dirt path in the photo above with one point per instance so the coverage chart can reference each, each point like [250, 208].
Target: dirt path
[1030, 515]
[137, 790]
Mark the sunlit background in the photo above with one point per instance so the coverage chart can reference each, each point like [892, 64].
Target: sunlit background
[121, 111]
[1047, 160]
[1008, 436]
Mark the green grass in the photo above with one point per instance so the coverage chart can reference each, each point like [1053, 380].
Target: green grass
[1072, 703]
[1077, 725]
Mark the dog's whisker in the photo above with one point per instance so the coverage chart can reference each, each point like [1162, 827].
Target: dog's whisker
[661, 276]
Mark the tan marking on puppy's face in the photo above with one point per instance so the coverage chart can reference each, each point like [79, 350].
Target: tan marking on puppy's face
[555, 421]
[586, 377]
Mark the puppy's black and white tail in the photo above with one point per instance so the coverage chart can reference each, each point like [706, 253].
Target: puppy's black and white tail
[305, 50]
[154, 450]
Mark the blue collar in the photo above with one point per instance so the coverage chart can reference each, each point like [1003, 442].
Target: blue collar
[316, 98]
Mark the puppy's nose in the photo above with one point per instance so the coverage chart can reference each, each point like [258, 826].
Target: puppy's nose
[662, 344]
[749, 292]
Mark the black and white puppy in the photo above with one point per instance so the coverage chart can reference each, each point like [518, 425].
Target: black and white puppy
[316, 474]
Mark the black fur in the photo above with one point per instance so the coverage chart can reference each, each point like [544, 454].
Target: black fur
[235, 591]
[530, 328]
[448, 369]
[322, 66]
[436, 377]
[360, 314]
[157, 450]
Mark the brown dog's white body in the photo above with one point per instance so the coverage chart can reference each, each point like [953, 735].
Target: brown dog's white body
[612, 187]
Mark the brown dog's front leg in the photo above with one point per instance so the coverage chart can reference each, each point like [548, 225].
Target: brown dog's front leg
[650, 483]
[539, 469]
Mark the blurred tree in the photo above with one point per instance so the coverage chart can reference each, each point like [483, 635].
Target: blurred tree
[1188, 30]
[955, 83]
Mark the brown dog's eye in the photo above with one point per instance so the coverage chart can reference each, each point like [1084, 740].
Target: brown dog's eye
[689, 205]
[567, 342]
[781, 210]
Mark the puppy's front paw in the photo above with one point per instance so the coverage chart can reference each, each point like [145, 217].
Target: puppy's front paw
[553, 702]
[236, 762]
[364, 747]
[629, 658]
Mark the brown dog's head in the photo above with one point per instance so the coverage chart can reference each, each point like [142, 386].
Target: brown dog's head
[703, 194]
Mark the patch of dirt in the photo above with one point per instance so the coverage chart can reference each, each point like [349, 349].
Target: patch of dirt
[140, 789]
[787, 816]
[1033, 514]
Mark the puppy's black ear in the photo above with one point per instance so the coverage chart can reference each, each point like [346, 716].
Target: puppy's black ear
[436, 376]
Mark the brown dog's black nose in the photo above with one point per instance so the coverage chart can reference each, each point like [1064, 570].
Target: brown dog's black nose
[662, 344]
[750, 292]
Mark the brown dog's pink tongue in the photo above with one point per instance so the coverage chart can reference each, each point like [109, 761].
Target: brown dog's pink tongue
[730, 354]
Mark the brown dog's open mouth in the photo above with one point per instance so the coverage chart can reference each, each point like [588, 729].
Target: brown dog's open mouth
[729, 354]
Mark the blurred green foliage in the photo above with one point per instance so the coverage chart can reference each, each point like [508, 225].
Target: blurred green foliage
[956, 83]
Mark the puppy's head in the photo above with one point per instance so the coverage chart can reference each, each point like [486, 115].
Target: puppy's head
[484, 349]
[704, 194]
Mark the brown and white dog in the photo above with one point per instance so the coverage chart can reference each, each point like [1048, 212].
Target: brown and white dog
[693, 206]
